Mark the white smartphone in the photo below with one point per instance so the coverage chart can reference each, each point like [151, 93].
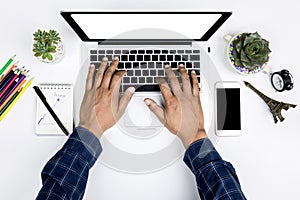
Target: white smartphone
[228, 109]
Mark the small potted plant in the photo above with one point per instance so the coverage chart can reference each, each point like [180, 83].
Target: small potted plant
[47, 46]
[248, 53]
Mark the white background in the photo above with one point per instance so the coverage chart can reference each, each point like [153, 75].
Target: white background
[265, 156]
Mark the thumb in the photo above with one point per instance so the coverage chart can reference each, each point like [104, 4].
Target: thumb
[156, 109]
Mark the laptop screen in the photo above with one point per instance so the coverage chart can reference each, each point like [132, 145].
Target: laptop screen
[99, 26]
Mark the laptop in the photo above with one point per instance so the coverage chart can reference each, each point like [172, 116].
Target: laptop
[145, 42]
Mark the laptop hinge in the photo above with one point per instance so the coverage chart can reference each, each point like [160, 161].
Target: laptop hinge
[146, 42]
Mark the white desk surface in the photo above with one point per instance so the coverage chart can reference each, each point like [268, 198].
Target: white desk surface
[265, 156]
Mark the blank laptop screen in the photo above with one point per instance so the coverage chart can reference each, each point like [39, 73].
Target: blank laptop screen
[143, 26]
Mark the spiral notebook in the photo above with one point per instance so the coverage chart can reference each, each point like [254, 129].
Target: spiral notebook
[60, 98]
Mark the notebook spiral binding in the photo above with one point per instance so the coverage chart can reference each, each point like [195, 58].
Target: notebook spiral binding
[54, 86]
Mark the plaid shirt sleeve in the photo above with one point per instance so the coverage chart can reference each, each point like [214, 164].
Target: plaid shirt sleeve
[216, 178]
[65, 175]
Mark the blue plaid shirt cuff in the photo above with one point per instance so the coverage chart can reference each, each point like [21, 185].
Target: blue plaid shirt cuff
[65, 175]
[85, 142]
[216, 178]
[200, 153]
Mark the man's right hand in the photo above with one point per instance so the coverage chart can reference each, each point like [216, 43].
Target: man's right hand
[183, 115]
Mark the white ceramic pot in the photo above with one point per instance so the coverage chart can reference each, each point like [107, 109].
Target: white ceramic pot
[240, 69]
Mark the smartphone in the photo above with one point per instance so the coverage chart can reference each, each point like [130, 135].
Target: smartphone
[228, 110]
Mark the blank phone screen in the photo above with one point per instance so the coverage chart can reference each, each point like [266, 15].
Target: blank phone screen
[228, 109]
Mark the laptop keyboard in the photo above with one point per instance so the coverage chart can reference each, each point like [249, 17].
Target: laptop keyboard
[143, 66]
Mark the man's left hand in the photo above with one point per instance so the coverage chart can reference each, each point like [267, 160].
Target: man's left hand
[101, 107]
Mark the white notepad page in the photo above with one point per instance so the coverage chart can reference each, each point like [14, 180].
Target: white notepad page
[60, 99]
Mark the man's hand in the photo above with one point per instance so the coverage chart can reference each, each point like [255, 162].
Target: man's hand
[183, 114]
[101, 107]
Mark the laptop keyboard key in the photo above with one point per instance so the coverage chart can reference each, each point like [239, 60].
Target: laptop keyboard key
[164, 51]
[141, 79]
[117, 51]
[170, 58]
[121, 65]
[101, 52]
[196, 64]
[93, 58]
[131, 57]
[174, 65]
[135, 65]
[154, 57]
[159, 65]
[188, 65]
[129, 73]
[128, 65]
[149, 80]
[143, 65]
[185, 57]
[196, 51]
[93, 51]
[147, 58]
[124, 58]
[180, 51]
[150, 64]
[126, 80]
[160, 72]
[188, 51]
[145, 72]
[194, 57]
[152, 72]
[139, 58]
[141, 51]
[162, 58]
[177, 58]
[109, 57]
[133, 79]
[149, 51]
[156, 51]
[137, 73]
[109, 51]
[133, 51]
[125, 51]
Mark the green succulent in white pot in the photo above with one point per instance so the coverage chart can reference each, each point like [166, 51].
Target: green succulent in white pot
[248, 52]
[47, 46]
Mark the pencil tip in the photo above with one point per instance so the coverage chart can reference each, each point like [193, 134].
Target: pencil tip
[14, 56]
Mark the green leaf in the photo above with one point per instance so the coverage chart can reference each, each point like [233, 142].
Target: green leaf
[44, 56]
[49, 56]
[37, 54]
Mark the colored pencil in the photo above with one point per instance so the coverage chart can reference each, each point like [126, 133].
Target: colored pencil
[12, 94]
[7, 79]
[10, 82]
[7, 64]
[6, 72]
[13, 101]
[12, 87]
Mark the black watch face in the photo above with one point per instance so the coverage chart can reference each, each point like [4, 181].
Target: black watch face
[277, 82]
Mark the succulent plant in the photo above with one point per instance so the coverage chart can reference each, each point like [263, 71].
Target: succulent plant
[250, 50]
[45, 43]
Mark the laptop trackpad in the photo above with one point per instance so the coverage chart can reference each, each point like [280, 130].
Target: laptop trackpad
[139, 115]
